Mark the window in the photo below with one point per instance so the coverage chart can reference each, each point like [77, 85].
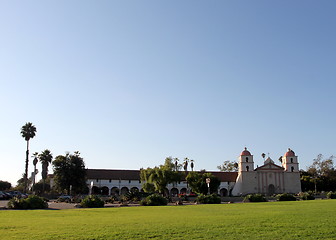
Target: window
[129, 181]
[110, 180]
[97, 180]
[246, 159]
[291, 160]
[247, 168]
[292, 168]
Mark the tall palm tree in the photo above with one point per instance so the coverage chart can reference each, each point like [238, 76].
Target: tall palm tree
[27, 131]
[45, 158]
[192, 165]
[176, 163]
[186, 160]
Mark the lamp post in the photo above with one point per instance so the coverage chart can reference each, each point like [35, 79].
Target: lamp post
[91, 186]
[207, 180]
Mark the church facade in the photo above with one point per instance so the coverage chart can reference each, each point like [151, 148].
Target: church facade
[269, 178]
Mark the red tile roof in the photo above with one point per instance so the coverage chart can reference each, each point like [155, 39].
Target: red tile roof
[135, 174]
[226, 176]
[113, 174]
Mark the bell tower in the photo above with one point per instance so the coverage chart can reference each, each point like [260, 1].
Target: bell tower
[245, 163]
[290, 161]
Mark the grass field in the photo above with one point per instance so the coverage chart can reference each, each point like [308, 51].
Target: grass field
[273, 220]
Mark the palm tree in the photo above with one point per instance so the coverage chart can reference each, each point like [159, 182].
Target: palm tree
[186, 160]
[35, 156]
[192, 165]
[45, 158]
[176, 163]
[27, 131]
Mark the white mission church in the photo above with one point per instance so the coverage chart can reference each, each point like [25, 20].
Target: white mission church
[267, 179]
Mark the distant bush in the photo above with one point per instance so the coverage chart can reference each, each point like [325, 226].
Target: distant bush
[154, 200]
[255, 198]
[306, 196]
[92, 201]
[285, 197]
[133, 195]
[112, 199]
[331, 195]
[208, 199]
[76, 199]
[61, 199]
[187, 197]
[32, 202]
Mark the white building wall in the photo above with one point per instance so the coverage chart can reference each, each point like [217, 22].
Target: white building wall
[292, 182]
[135, 183]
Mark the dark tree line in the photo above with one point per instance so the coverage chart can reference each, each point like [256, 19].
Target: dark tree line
[320, 176]
[69, 170]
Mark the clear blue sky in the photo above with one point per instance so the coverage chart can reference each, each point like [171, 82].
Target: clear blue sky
[128, 83]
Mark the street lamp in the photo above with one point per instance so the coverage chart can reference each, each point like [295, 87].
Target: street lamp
[91, 186]
[207, 180]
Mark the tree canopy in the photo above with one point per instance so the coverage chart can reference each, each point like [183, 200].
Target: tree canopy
[158, 178]
[45, 158]
[228, 166]
[69, 170]
[4, 185]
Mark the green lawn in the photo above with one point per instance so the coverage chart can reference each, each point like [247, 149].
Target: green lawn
[273, 220]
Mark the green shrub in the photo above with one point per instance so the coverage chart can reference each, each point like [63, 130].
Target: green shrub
[92, 201]
[306, 196]
[255, 198]
[76, 199]
[154, 200]
[60, 199]
[32, 202]
[208, 199]
[285, 197]
[112, 199]
[133, 195]
[331, 195]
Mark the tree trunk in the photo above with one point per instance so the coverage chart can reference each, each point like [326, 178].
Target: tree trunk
[26, 169]
[33, 188]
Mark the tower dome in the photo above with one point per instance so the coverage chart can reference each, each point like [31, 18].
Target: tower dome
[245, 153]
[289, 153]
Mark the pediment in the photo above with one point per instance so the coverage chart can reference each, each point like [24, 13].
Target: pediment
[269, 166]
